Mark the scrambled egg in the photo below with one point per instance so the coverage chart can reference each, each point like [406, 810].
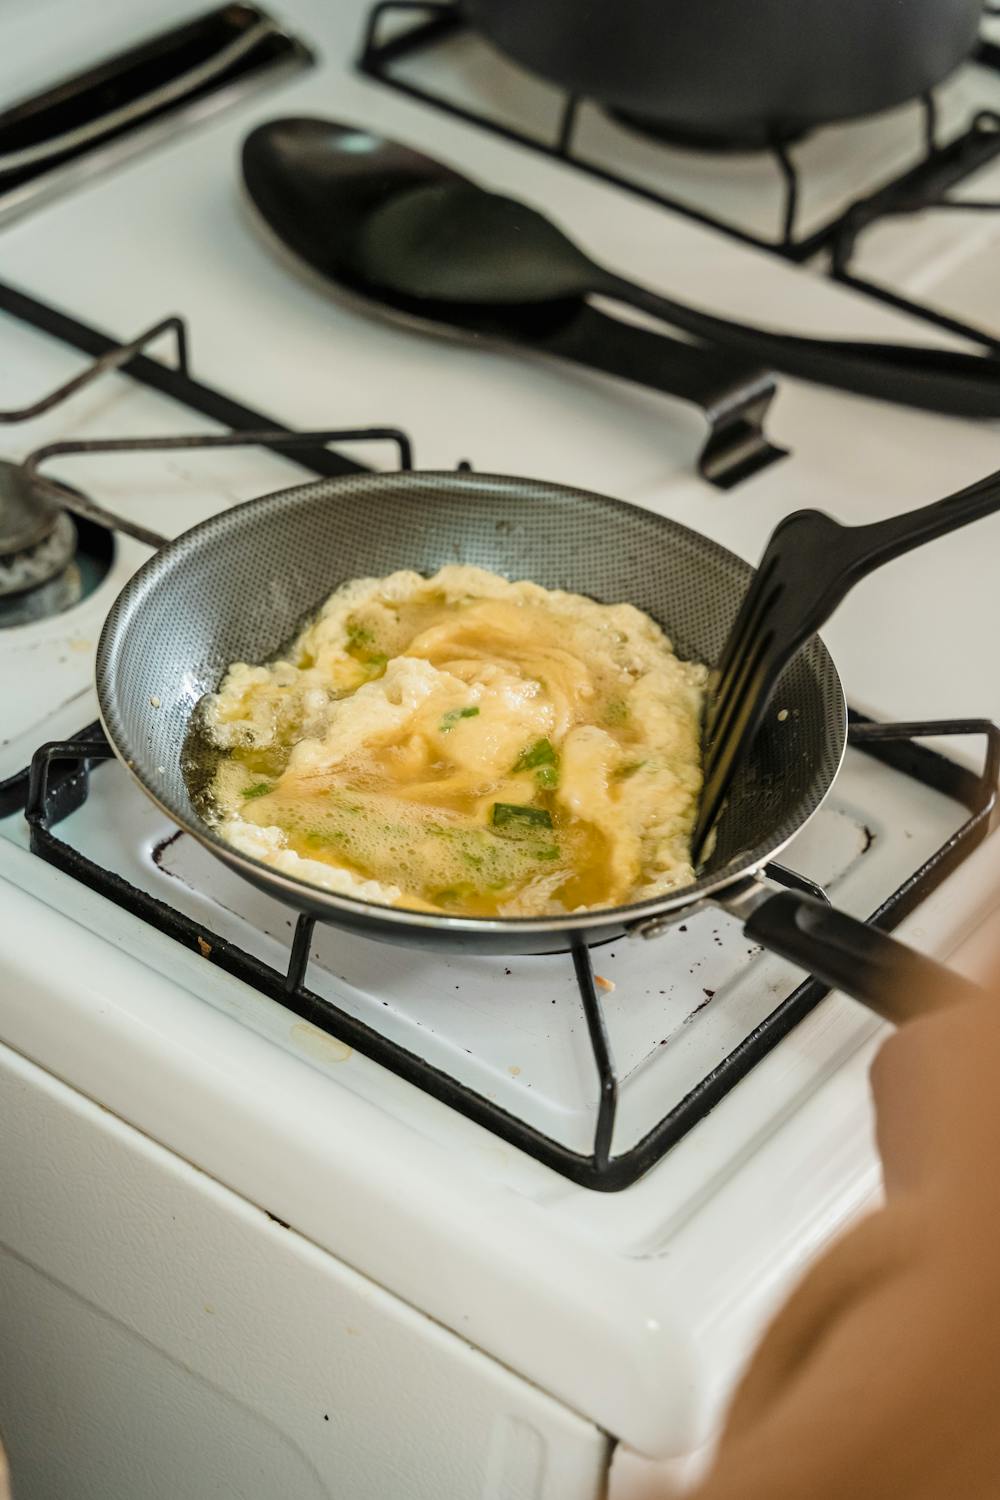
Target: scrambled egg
[467, 745]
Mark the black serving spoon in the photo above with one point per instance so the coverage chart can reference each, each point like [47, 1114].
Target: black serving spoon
[452, 241]
[315, 183]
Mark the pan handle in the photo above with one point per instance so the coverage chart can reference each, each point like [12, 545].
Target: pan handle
[894, 981]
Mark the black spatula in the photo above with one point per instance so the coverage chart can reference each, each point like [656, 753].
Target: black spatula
[809, 564]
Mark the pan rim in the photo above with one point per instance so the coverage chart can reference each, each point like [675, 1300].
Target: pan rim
[315, 900]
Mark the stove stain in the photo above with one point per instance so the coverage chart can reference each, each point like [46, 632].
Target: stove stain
[160, 848]
[709, 995]
[319, 1044]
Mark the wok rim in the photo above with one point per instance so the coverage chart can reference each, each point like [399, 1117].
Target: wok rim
[324, 905]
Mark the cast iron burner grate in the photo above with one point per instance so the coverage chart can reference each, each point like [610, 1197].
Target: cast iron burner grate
[59, 785]
[925, 186]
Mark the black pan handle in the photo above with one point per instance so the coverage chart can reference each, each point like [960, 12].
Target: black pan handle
[894, 981]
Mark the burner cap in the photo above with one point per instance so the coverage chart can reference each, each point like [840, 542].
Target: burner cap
[25, 598]
[29, 569]
[27, 516]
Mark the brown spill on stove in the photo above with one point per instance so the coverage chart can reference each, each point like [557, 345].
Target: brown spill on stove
[318, 1044]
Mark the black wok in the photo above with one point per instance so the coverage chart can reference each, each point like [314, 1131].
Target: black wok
[240, 585]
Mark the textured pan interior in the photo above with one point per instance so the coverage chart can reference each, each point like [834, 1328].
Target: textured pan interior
[241, 584]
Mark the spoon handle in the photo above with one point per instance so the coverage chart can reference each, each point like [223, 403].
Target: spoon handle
[941, 380]
[733, 394]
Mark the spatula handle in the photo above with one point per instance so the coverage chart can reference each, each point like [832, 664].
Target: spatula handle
[881, 541]
[836, 557]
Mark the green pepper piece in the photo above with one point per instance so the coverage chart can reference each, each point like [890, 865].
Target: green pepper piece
[514, 814]
[541, 753]
[451, 718]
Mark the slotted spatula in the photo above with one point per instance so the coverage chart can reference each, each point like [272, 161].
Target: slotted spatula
[809, 564]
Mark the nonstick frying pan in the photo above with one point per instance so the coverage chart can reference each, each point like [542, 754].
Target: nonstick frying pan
[240, 585]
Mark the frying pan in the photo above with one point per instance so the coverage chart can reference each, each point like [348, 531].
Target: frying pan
[240, 585]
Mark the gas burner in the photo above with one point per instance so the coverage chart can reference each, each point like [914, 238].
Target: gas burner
[27, 519]
[56, 544]
[89, 551]
[37, 539]
[48, 560]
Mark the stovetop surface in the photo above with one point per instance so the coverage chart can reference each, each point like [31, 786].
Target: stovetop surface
[512, 1028]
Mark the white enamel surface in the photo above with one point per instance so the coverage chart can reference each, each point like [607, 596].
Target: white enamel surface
[243, 1360]
[631, 1310]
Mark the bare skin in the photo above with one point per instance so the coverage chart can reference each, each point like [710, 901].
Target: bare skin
[880, 1378]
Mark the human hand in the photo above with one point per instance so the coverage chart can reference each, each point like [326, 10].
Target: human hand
[881, 1375]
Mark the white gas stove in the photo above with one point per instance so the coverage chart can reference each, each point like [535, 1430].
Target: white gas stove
[352, 1221]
